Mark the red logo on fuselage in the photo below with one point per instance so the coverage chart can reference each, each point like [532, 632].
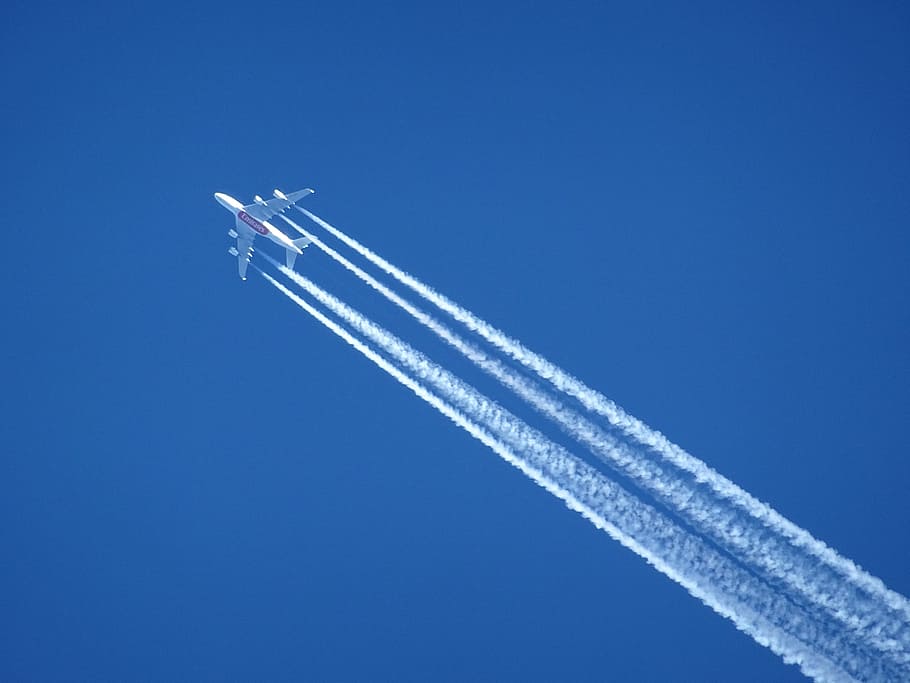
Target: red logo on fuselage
[253, 223]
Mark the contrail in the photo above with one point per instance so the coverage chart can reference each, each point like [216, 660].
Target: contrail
[718, 583]
[634, 428]
[646, 523]
[746, 537]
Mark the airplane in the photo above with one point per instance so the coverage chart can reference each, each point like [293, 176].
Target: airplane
[253, 219]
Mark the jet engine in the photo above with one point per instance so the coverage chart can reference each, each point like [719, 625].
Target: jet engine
[233, 251]
[232, 233]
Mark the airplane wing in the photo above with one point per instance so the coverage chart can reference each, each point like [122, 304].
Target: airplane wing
[244, 253]
[294, 197]
[267, 209]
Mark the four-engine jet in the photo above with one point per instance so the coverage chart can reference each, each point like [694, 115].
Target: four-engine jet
[253, 219]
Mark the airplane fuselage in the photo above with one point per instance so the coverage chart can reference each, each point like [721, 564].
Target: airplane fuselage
[247, 222]
[251, 220]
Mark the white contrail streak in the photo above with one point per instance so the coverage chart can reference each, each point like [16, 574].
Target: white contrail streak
[824, 638]
[634, 428]
[683, 558]
[746, 537]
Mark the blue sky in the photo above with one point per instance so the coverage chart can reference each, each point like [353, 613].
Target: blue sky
[700, 210]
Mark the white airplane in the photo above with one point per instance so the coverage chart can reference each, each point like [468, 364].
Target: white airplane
[253, 219]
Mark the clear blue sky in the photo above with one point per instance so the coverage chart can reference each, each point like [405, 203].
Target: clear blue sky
[700, 210]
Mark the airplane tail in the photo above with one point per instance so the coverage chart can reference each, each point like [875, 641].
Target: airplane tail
[301, 244]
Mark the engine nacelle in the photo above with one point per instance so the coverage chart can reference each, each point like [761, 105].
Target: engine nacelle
[233, 251]
[281, 195]
[232, 233]
[259, 200]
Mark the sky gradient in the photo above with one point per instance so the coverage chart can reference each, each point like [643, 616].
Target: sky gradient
[701, 211]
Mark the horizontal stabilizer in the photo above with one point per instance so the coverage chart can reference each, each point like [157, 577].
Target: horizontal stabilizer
[301, 244]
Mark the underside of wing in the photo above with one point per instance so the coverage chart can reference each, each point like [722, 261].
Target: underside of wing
[244, 254]
[294, 197]
[264, 210]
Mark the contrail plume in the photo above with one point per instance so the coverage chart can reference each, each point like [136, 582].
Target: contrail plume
[743, 536]
[637, 430]
[752, 606]
[643, 524]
